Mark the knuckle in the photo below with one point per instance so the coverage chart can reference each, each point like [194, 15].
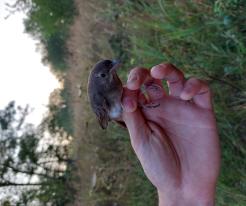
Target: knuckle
[194, 80]
[137, 69]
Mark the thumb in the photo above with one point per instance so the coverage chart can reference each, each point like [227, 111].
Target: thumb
[133, 117]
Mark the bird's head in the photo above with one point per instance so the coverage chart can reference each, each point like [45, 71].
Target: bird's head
[104, 72]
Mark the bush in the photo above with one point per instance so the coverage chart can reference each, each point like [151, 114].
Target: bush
[56, 50]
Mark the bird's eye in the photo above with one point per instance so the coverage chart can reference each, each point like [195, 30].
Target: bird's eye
[103, 75]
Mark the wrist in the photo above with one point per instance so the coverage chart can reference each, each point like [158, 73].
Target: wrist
[179, 200]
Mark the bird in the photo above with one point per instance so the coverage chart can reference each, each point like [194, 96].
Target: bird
[104, 91]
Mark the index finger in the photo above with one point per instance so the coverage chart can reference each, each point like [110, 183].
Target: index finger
[173, 76]
[133, 118]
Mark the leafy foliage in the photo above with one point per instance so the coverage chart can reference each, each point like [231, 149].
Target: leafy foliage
[34, 166]
[49, 17]
[60, 113]
[57, 51]
[49, 21]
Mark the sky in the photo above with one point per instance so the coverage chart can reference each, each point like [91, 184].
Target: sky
[23, 77]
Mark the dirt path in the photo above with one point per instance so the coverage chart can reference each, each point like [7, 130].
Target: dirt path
[83, 43]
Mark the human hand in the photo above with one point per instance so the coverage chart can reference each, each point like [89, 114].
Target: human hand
[173, 135]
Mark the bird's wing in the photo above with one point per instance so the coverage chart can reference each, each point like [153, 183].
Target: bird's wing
[101, 111]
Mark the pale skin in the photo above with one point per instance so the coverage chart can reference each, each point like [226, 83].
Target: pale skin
[174, 135]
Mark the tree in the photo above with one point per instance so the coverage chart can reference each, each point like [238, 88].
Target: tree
[18, 5]
[33, 164]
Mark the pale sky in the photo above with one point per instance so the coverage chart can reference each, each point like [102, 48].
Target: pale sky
[23, 77]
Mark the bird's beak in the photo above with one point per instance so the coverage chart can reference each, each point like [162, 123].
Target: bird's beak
[116, 65]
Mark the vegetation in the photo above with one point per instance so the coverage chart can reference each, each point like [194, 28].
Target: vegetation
[49, 21]
[206, 39]
[60, 112]
[33, 166]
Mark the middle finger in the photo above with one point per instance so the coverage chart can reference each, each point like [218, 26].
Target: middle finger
[139, 77]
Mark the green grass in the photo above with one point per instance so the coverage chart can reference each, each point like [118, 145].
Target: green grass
[207, 40]
[121, 178]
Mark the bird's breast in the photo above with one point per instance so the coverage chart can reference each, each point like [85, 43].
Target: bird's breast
[115, 111]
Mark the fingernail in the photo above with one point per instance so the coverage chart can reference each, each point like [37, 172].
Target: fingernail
[129, 105]
[155, 91]
[185, 96]
[155, 67]
[132, 78]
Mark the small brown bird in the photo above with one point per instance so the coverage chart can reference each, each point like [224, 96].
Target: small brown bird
[105, 91]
